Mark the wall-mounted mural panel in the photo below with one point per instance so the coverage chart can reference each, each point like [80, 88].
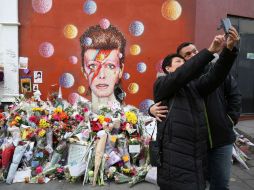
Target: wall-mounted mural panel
[55, 36]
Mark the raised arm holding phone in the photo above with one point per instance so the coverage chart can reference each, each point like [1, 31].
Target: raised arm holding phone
[184, 144]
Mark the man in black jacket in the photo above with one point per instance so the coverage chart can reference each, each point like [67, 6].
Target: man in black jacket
[223, 110]
[185, 132]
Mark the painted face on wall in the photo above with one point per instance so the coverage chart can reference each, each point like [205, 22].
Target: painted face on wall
[102, 69]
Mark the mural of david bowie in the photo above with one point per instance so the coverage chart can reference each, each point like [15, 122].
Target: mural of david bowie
[103, 63]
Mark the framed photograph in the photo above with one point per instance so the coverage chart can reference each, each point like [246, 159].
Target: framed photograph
[26, 84]
[35, 87]
[23, 62]
[37, 76]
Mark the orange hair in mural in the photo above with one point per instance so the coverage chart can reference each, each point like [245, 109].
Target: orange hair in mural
[95, 37]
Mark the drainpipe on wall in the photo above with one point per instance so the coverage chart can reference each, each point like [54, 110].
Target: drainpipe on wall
[9, 49]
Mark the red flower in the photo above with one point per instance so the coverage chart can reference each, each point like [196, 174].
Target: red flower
[123, 127]
[41, 180]
[29, 135]
[106, 119]
[133, 171]
[63, 116]
[1, 116]
[85, 109]
[96, 126]
[7, 155]
[33, 119]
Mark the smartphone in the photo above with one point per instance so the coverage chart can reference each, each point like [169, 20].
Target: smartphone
[225, 24]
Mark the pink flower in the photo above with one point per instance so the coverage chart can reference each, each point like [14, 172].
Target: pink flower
[59, 170]
[85, 110]
[79, 118]
[38, 170]
[56, 117]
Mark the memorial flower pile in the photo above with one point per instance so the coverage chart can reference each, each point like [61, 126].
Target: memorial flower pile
[64, 141]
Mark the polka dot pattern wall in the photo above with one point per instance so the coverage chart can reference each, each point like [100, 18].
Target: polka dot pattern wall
[50, 31]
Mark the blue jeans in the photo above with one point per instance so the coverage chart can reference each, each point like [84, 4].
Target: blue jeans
[220, 167]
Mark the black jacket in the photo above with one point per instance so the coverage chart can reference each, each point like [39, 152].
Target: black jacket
[223, 110]
[184, 143]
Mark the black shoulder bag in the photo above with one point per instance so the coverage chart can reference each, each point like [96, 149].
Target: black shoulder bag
[155, 146]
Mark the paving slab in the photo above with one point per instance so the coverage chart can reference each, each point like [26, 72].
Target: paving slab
[246, 128]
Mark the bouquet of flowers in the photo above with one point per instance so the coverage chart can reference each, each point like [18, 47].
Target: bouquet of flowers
[113, 137]
[18, 153]
[6, 157]
[140, 176]
[3, 127]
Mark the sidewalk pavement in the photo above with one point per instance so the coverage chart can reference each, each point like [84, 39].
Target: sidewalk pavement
[241, 178]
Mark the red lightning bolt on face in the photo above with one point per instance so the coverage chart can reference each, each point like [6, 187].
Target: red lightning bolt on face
[100, 56]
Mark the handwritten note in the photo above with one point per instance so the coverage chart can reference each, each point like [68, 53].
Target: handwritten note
[113, 158]
[134, 148]
[76, 153]
[21, 175]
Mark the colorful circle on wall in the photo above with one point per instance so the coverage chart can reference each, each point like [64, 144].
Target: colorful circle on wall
[81, 89]
[87, 41]
[133, 88]
[135, 49]
[73, 98]
[90, 7]
[136, 28]
[70, 31]
[46, 49]
[126, 76]
[66, 80]
[141, 67]
[145, 104]
[171, 10]
[104, 23]
[26, 71]
[42, 6]
[73, 59]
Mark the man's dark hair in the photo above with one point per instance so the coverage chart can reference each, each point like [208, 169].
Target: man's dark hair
[168, 61]
[182, 45]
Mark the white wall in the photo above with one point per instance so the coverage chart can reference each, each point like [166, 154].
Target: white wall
[9, 49]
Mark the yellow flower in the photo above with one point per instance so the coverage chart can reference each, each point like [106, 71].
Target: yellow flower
[126, 170]
[17, 118]
[43, 123]
[42, 133]
[24, 134]
[131, 117]
[113, 138]
[58, 110]
[101, 118]
[37, 109]
[125, 158]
